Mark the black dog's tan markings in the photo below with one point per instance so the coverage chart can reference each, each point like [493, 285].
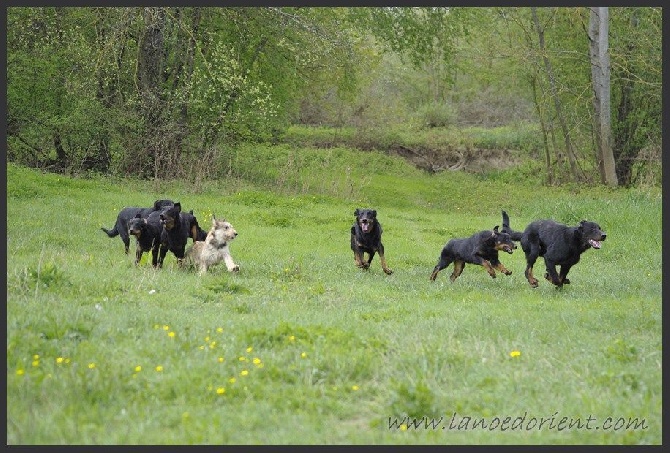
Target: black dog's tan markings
[366, 237]
[481, 248]
[558, 244]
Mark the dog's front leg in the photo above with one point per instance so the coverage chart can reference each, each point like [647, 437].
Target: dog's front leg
[500, 267]
[358, 258]
[230, 264]
[383, 261]
[489, 268]
[552, 275]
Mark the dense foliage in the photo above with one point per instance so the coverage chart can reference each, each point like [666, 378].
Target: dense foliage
[162, 92]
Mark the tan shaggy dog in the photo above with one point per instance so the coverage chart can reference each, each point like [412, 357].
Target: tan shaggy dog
[215, 248]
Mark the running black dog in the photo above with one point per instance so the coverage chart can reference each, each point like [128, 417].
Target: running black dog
[559, 245]
[126, 214]
[147, 230]
[178, 227]
[366, 237]
[481, 248]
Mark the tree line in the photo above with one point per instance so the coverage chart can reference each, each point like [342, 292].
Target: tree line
[142, 91]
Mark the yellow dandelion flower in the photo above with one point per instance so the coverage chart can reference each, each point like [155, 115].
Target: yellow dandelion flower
[201, 347]
[36, 363]
[220, 391]
[212, 345]
[354, 387]
[59, 360]
[220, 359]
[20, 372]
[171, 334]
[256, 360]
[36, 357]
[232, 380]
[67, 360]
[242, 359]
[166, 327]
[159, 368]
[403, 427]
[291, 338]
[515, 354]
[303, 355]
[207, 339]
[244, 373]
[138, 368]
[91, 365]
[219, 330]
[249, 349]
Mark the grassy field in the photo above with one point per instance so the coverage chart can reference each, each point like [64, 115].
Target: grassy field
[301, 347]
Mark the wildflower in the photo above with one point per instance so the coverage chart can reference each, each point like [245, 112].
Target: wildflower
[212, 345]
[244, 373]
[166, 327]
[232, 380]
[220, 391]
[207, 339]
[159, 368]
[91, 366]
[36, 357]
[256, 361]
[171, 334]
[138, 368]
[354, 387]
[59, 360]
[515, 354]
[219, 330]
[156, 326]
[303, 355]
[220, 359]
[249, 349]
[403, 427]
[36, 363]
[291, 338]
[20, 372]
[242, 359]
[201, 347]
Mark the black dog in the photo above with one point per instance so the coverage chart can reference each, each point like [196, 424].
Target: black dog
[366, 237]
[121, 225]
[147, 231]
[480, 248]
[178, 226]
[559, 245]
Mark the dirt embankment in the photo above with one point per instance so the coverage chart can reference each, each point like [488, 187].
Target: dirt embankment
[469, 160]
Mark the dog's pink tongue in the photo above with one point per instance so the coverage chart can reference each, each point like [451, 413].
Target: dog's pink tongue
[365, 227]
[595, 244]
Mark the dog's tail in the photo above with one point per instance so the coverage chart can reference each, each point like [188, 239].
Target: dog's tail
[515, 235]
[111, 233]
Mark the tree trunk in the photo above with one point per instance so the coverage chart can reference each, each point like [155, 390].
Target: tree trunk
[600, 78]
[150, 64]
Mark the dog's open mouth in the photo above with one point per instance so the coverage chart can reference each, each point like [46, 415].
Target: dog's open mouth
[365, 226]
[595, 244]
[508, 249]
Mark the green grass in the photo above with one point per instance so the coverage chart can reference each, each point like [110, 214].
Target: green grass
[102, 352]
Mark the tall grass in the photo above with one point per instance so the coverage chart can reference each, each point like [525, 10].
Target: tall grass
[301, 347]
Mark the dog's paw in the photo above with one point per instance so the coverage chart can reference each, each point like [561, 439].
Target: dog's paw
[508, 272]
[235, 268]
[566, 281]
[388, 271]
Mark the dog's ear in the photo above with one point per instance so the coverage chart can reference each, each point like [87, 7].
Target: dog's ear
[374, 213]
[356, 212]
[495, 229]
[177, 206]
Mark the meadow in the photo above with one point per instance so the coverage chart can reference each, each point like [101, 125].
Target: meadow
[302, 347]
